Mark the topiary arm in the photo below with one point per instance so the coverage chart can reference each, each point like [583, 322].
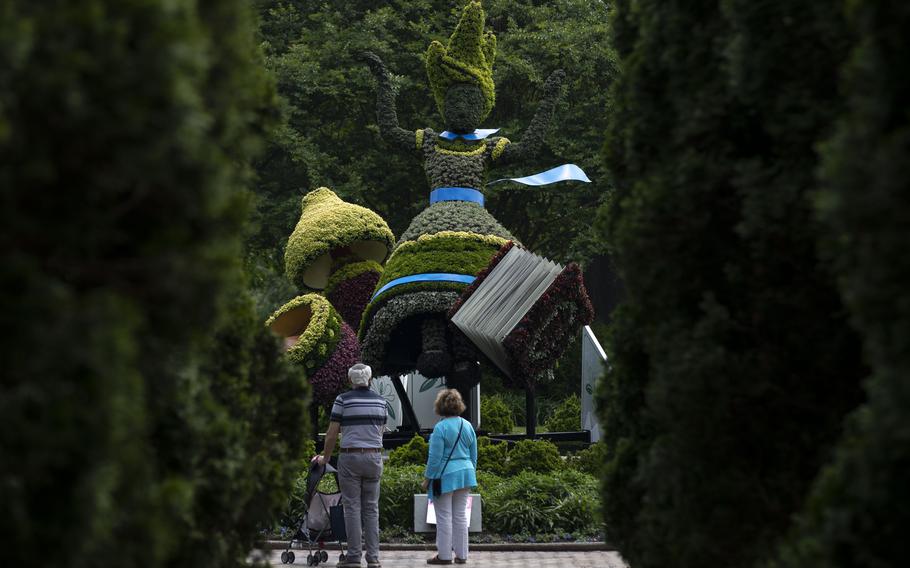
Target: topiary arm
[386, 115]
[533, 137]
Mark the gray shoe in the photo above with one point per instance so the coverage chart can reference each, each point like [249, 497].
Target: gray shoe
[345, 563]
[374, 564]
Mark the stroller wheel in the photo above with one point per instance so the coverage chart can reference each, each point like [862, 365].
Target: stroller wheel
[290, 557]
[341, 557]
[324, 555]
[309, 559]
[284, 557]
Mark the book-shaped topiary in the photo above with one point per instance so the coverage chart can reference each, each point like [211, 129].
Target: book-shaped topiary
[522, 311]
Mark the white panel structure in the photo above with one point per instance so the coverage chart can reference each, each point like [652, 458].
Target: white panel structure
[593, 363]
[422, 392]
[384, 386]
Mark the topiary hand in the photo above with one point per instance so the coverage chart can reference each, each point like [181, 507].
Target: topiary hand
[375, 64]
[386, 115]
[553, 85]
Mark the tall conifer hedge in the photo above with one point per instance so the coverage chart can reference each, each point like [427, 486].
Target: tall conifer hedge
[145, 416]
[857, 514]
[733, 363]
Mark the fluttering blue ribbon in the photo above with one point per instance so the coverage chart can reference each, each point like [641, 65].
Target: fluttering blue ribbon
[428, 277]
[564, 172]
[478, 134]
[456, 194]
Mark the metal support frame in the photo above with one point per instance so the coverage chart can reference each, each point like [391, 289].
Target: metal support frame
[411, 424]
[530, 411]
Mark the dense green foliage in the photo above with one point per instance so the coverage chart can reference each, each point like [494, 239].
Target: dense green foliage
[538, 503]
[566, 417]
[857, 512]
[590, 460]
[147, 419]
[415, 452]
[495, 415]
[492, 457]
[396, 495]
[330, 138]
[732, 363]
[538, 456]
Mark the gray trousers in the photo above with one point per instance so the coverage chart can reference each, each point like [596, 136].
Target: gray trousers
[359, 477]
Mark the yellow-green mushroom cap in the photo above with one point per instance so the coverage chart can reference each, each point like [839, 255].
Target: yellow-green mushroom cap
[468, 58]
[327, 225]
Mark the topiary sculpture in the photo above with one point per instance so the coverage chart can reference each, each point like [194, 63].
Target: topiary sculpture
[336, 248]
[454, 238]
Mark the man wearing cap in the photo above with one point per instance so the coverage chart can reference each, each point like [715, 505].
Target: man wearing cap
[360, 416]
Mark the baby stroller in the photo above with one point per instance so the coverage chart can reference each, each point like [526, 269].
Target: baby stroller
[323, 519]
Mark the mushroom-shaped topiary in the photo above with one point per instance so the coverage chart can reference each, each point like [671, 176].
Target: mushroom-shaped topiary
[338, 247]
[316, 338]
[332, 232]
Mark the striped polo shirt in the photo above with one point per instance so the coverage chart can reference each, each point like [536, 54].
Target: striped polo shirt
[362, 414]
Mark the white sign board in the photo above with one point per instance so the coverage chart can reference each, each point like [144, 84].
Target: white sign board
[422, 514]
[593, 363]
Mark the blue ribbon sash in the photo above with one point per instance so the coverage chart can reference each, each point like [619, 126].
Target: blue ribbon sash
[428, 277]
[456, 194]
[565, 172]
[478, 134]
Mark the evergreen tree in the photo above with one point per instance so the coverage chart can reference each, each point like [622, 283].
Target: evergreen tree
[125, 133]
[732, 362]
[857, 514]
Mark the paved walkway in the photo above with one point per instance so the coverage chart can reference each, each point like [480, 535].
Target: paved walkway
[483, 559]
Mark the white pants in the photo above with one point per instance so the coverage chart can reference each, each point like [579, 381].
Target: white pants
[452, 524]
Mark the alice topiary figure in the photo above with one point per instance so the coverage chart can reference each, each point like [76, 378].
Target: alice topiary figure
[454, 238]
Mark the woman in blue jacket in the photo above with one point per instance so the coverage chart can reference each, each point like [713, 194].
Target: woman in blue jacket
[453, 460]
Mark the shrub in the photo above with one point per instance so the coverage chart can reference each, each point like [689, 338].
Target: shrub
[396, 495]
[413, 453]
[492, 456]
[147, 416]
[566, 417]
[590, 460]
[486, 481]
[538, 503]
[495, 415]
[538, 456]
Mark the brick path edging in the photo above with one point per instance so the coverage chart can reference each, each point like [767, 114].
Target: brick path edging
[492, 547]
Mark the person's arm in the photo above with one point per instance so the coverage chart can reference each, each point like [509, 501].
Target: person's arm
[331, 436]
[533, 137]
[386, 114]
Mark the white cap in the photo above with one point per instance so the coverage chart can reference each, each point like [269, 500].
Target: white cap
[360, 375]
